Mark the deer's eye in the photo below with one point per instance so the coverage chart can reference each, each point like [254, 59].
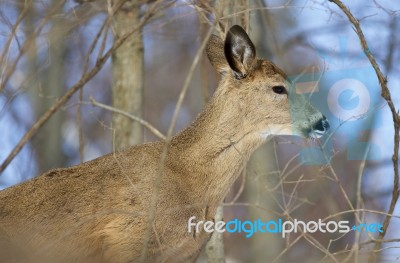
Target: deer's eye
[279, 89]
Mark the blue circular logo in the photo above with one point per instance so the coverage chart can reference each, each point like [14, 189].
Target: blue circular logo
[349, 99]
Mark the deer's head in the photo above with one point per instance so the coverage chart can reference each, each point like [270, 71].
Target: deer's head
[259, 92]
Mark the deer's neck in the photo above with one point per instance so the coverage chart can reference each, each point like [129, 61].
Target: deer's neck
[214, 149]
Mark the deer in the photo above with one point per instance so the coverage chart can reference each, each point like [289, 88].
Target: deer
[99, 211]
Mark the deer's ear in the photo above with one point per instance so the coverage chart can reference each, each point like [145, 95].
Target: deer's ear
[239, 52]
[215, 53]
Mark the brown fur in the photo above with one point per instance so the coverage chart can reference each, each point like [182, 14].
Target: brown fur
[98, 211]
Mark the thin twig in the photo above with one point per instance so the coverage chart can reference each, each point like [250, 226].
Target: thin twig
[150, 127]
[80, 127]
[8, 71]
[385, 92]
[13, 33]
[241, 188]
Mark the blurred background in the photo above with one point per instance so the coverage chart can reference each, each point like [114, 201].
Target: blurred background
[51, 48]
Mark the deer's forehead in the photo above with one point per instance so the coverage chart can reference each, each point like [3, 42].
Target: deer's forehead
[269, 70]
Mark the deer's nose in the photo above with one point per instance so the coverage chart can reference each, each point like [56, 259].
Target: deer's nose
[322, 125]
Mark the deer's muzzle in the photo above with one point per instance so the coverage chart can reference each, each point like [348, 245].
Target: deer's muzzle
[319, 128]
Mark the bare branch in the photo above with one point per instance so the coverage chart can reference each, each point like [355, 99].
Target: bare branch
[385, 92]
[150, 127]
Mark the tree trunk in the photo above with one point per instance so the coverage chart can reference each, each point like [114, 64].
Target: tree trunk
[46, 88]
[128, 76]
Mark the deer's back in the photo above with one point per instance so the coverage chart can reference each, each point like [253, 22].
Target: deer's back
[96, 208]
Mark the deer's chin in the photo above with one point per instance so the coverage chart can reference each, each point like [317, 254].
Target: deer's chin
[276, 130]
[315, 133]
